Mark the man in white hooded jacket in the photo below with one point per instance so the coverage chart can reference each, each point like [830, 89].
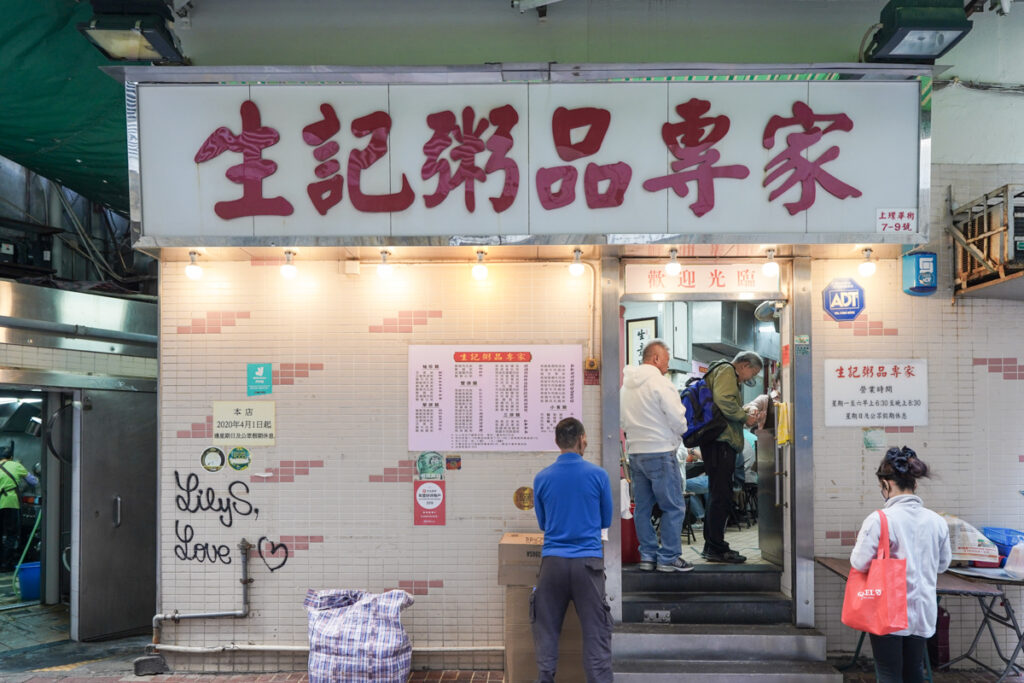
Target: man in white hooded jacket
[653, 418]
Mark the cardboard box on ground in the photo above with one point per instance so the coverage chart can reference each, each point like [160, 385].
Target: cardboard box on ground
[518, 564]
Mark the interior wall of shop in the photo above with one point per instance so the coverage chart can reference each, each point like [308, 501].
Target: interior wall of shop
[339, 492]
[973, 441]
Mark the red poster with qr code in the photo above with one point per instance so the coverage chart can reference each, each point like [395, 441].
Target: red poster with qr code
[428, 503]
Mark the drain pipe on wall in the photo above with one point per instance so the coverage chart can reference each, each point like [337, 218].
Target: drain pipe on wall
[153, 662]
[158, 619]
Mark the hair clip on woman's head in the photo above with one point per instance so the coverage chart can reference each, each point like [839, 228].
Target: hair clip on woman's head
[898, 458]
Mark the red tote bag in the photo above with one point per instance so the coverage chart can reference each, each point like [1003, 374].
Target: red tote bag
[876, 600]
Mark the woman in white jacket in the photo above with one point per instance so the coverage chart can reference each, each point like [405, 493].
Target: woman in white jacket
[919, 536]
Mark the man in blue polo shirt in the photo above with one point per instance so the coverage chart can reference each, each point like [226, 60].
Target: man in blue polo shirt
[573, 501]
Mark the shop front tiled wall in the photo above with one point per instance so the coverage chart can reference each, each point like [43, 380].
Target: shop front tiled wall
[336, 488]
[974, 440]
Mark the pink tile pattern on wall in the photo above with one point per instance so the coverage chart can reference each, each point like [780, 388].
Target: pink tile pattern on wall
[1009, 368]
[294, 544]
[405, 472]
[416, 587]
[199, 430]
[846, 537]
[213, 322]
[287, 373]
[286, 471]
[899, 430]
[405, 321]
[864, 327]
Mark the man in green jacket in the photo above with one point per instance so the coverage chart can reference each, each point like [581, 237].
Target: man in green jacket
[12, 473]
[725, 380]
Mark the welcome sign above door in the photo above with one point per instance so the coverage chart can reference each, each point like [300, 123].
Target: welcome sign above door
[779, 160]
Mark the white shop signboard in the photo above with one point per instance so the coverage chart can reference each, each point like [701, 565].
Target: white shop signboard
[492, 398]
[876, 393]
[718, 278]
[773, 160]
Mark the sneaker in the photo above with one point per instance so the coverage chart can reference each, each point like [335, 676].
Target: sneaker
[728, 557]
[680, 565]
[646, 565]
[697, 526]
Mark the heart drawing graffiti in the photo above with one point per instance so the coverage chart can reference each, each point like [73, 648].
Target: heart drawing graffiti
[273, 550]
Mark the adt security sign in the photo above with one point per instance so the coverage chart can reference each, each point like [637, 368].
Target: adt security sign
[843, 299]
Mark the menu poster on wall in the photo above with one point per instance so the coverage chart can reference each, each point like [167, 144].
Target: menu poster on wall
[876, 393]
[492, 398]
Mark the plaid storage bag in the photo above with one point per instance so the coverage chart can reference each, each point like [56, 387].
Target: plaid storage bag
[357, 637]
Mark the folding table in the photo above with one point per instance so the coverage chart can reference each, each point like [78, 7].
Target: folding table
[988, 589]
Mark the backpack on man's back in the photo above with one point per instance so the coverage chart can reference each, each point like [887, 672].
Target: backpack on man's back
[704, 420]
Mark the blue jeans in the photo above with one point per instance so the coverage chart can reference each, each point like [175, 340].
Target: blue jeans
[698, 486]
[656, 479]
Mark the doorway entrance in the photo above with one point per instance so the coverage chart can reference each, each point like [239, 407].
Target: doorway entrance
[25, 486]
[699, 333]
[86, 551]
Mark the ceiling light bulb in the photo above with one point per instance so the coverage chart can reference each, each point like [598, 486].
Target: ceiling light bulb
[288, 270]
[576, 267]
[770, 268]
[480, 270]
[193, 271]
[385, 269]
[867, 267]
[673, 268]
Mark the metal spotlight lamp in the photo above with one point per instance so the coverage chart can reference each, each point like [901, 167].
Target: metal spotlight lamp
[576, 267]
[673, 267]
[918, 31]
[480, 270]
[133, 38]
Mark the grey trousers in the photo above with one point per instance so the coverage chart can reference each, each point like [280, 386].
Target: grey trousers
[580, 579]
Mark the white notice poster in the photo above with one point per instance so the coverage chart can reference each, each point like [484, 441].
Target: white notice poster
[876, 393]
[243, 423]
[492, 398]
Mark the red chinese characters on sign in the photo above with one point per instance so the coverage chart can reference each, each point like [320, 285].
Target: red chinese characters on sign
[690, 142]
[792, 160]
[492, 356]
[250, 143]
[746, 278]
[328, 191]
[464, 149]
[378, 126]
[873, 371]
[716, 279]
[468, 143]
[563, 123]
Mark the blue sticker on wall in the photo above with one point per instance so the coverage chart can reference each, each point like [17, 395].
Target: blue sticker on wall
[843, 299]
[259, 379]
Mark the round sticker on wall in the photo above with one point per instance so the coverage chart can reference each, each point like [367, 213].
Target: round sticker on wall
[523, 498]
[429, 496]
[212, 459]
[430, 465]
[239, 458]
